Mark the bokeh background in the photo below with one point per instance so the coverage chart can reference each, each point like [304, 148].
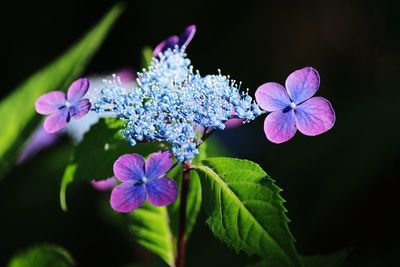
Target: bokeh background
[341, 188]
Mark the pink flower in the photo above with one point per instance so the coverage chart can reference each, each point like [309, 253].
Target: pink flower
[62, 107]
[294, 108]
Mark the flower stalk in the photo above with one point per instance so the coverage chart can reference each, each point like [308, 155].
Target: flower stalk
[180, 258]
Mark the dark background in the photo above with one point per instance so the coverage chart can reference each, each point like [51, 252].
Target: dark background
[341, 187]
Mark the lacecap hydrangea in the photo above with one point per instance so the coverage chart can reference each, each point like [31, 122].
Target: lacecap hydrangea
[176, 104]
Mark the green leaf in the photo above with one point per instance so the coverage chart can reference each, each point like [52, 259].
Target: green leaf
[149, 226]
[94, 157]
[42, 255]
[246, 211]
[16, 126]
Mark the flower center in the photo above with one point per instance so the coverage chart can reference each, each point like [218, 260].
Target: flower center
[144, 179]
[293, 105]
[67, 104]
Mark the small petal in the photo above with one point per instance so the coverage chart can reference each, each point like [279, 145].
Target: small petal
[50, 102]
[170, 42]
[233, 123]
[161, 192]
[302, 84]
[77, 90]
[56, 121]
[187, 35]
[80, 109]
[104, 185]
[280, 126]
[128, 196]
[158, 164]
[40, 140]
[129, 167]
[127, 76]
[272, 96]
[315, 116]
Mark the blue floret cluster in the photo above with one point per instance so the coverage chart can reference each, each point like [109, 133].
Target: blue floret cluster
[173, 103]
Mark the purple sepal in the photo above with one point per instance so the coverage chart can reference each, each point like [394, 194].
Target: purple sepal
[161, 192]
[170, 42]
[40, 140]
[104, 185]
[187, 35]
[183, 40]
[128, 196]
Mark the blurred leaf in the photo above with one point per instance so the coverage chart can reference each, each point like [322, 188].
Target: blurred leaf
[149, 226]
[94, 157]
[42, 255]
[331, 260]
[67, 179]
[19, 117]
[147, 55]
[246, 211]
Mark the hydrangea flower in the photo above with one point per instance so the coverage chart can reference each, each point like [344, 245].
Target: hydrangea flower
[171, 102]
[143, 179]
[182, 41]
[62, 107]
[294, 108]
[41, 139]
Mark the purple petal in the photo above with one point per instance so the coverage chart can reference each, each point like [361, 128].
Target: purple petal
[104, 185]
[127, 76]
[56, 121]
[162, 191]
[315, 116]
[272, 96]
[77, 90]
[170, 42]
[40, 140]
[233, 123]
[280, 126]
[302, 84]
[187, 35]
[158, 164]
[80, 109]
[50, 102]
[128, 196]
[129, 167]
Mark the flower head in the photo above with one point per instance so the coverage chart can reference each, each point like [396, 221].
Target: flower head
[143, 179]
[172, 101]
[62, 107]
[294, 108]
[182, 41]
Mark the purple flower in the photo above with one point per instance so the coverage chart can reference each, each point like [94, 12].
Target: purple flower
[294, 108]
[61, 107]
[183, 40]
[141, 180]
[104, 185]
